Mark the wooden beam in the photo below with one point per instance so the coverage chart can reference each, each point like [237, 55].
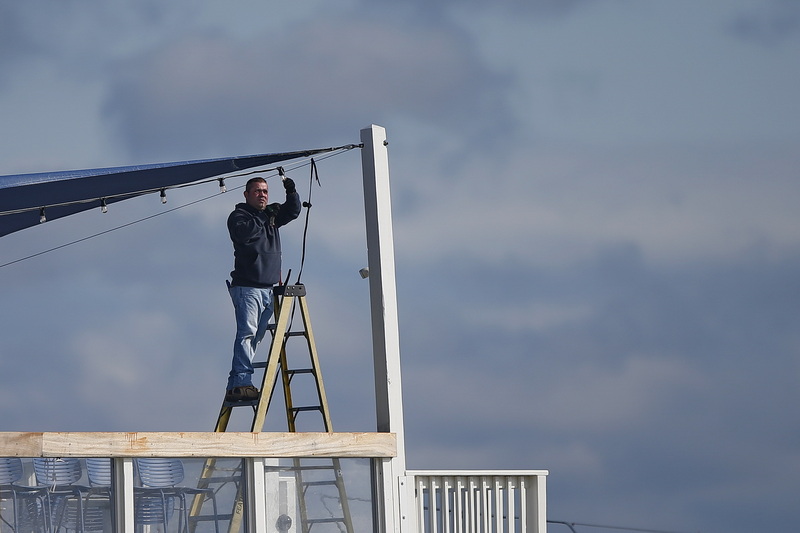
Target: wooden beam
[197, 444]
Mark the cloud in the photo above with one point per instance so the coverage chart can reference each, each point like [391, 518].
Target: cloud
[590, 397]
[110, 367]
[14, 41]
[549, 8]
[661, 372]
[553, 204]
[45, 30]
[772, 23]
[208, 94]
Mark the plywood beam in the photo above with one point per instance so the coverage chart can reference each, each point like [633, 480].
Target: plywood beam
[196, 444]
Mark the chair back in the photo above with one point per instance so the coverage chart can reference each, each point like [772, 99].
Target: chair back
[10, 470]
[30, 507]
[98, 469]
[53, 471]
[152, 508]
[158, 472]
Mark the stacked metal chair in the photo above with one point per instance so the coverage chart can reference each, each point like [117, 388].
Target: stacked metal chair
[29, 506]
[59, 477]
[160, 494]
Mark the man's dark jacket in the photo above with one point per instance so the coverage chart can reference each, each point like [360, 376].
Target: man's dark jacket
[257, 242]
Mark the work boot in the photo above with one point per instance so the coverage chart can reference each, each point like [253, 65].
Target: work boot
[241, 394]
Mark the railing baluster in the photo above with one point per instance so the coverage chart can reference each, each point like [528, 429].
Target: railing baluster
[458, 500]
[523, 509]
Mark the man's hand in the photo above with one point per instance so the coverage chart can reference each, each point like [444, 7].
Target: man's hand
[288, 184]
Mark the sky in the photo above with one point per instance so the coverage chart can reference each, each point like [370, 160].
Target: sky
[594, 207]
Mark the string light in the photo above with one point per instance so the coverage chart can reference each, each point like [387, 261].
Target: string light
[334, 151]
[163, 195]
[43, 218]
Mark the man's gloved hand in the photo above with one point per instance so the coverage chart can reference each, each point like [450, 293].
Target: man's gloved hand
[288, 184]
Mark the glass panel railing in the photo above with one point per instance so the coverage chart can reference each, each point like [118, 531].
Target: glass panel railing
[185, 495]
[319, 495]
[171, 494]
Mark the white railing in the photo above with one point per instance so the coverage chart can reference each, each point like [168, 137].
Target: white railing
[430, 501]
[476, 501]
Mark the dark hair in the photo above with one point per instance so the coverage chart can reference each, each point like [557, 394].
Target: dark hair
[251, 181]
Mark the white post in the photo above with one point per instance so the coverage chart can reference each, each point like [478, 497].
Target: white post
[537, 505]
[255, 495]
[122, 479]
[385, 331]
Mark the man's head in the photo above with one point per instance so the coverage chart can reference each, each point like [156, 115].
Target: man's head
[256, 193]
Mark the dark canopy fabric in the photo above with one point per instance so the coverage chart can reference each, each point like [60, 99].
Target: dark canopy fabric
[68, 192]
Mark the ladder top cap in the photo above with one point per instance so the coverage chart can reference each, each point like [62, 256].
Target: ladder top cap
[290, 290]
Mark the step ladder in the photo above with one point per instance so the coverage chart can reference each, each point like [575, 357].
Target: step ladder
[311, 475]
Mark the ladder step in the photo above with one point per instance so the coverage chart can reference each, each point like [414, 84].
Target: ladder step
[319, 483]
[300, 371]
[208, 518]
[246, 403]
[309, 408]
[300, 468]
[325, 520]
[220, 479]
[263, 364]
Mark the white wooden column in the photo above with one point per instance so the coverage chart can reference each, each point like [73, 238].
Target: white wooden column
[122, 479]
[385, 331]
[256, 500]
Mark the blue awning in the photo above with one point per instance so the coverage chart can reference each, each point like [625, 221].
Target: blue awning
[68, 192]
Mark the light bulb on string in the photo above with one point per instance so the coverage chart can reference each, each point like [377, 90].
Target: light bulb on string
[222, 187]
[103, 206]
[163, 196]
[42, 216]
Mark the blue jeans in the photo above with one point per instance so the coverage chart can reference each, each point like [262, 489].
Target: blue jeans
[253, 308]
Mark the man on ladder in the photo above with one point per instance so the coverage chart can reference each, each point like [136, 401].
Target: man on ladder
[253, 228]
